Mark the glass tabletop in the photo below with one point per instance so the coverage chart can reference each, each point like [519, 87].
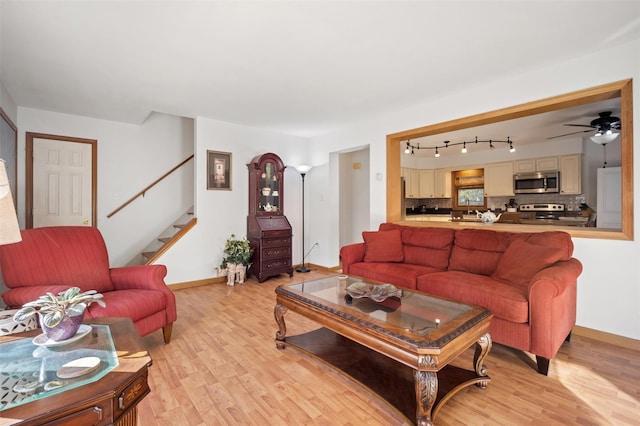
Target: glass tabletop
[416, 313]
[29, 372]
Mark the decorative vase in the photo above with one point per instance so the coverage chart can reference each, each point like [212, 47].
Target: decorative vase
[241, 273]
[231, 273]
[69, 325]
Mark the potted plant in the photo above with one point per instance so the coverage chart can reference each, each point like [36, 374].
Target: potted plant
[236, 252]
[61, 315]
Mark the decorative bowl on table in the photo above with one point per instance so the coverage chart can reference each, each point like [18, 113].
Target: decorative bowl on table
[375, 292]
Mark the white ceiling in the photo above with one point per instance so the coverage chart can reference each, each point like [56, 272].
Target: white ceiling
[298, 67]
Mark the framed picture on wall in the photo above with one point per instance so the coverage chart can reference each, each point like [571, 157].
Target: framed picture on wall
[218, 170]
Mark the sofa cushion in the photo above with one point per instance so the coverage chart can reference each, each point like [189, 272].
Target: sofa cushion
[425, 246]
[16, 297]
[383, 246]
[398, 274]
[556, 239]
[134, 304]
[504, 300]
[522, 260]
[478, 251]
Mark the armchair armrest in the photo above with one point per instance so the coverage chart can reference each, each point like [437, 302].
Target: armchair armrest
[141, 277]
[552, 306]
[350, 254]
[145, 277]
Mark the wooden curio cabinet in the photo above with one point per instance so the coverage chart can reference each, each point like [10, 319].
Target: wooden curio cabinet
[268, 229]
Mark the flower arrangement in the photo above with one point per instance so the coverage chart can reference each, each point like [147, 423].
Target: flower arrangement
[53, 309]
[237, 252]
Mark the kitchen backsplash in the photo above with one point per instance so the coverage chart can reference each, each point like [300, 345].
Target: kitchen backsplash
[571, 202]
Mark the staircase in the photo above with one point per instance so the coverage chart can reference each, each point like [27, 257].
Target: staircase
[166, 239]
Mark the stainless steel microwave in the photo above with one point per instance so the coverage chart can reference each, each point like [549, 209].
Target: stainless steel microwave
[536, 183]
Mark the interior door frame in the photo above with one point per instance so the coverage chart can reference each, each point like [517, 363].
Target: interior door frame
[10, 147]
[30, 136]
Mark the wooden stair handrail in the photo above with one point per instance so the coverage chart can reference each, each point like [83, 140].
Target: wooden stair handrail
[141, 193]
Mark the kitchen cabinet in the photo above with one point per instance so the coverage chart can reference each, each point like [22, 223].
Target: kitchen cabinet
[571, 174]
[411, 183]
[525, 166]
[548, 164]
[536, 165]
[426, 183]
[498, 179]
[442, 183]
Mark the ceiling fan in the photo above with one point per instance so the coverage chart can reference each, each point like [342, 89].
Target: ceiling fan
[604, 123]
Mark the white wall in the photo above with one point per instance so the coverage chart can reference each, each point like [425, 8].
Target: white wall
[354, 195]
[222, 213]
[8, 104]
[130, 157]
[609, 287]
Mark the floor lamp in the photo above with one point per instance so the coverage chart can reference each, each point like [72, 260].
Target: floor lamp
[9, 229]
[303, 171]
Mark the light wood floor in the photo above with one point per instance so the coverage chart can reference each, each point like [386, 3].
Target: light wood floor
[222, 368]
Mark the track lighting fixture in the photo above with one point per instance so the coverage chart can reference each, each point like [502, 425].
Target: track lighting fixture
[410, 147]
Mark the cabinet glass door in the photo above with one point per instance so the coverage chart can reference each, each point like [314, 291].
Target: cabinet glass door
[269, 189]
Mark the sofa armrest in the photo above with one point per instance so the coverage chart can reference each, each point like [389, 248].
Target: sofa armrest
[350, 254]
[141, 277]
[145, 277]
[552, 306]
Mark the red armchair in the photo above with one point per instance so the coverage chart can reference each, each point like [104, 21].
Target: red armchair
[52, 259]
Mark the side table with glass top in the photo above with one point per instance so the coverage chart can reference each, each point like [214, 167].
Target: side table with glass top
[104, 396]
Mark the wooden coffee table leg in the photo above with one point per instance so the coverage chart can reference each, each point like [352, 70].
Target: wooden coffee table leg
[278, 314]
[483, 346]
[426, 383]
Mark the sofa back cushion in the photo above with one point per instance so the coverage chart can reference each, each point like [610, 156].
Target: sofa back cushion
[522, 260]
[557, 239]
[478, 251]
[425, 246]
[383, 246]
[57, 256]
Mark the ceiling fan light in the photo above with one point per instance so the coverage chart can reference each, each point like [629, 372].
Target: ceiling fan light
[601, 139]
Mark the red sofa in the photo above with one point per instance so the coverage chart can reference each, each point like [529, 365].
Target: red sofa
[52, 259]
[528, 280]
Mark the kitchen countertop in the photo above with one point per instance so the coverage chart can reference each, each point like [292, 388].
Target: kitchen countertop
[567, 221]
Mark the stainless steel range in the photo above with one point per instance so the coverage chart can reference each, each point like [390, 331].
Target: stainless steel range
[544, 211]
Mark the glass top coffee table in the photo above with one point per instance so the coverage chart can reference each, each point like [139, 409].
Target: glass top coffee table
[398, 343]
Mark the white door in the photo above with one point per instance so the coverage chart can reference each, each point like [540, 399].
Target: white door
[61, 183]
[609, 213]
